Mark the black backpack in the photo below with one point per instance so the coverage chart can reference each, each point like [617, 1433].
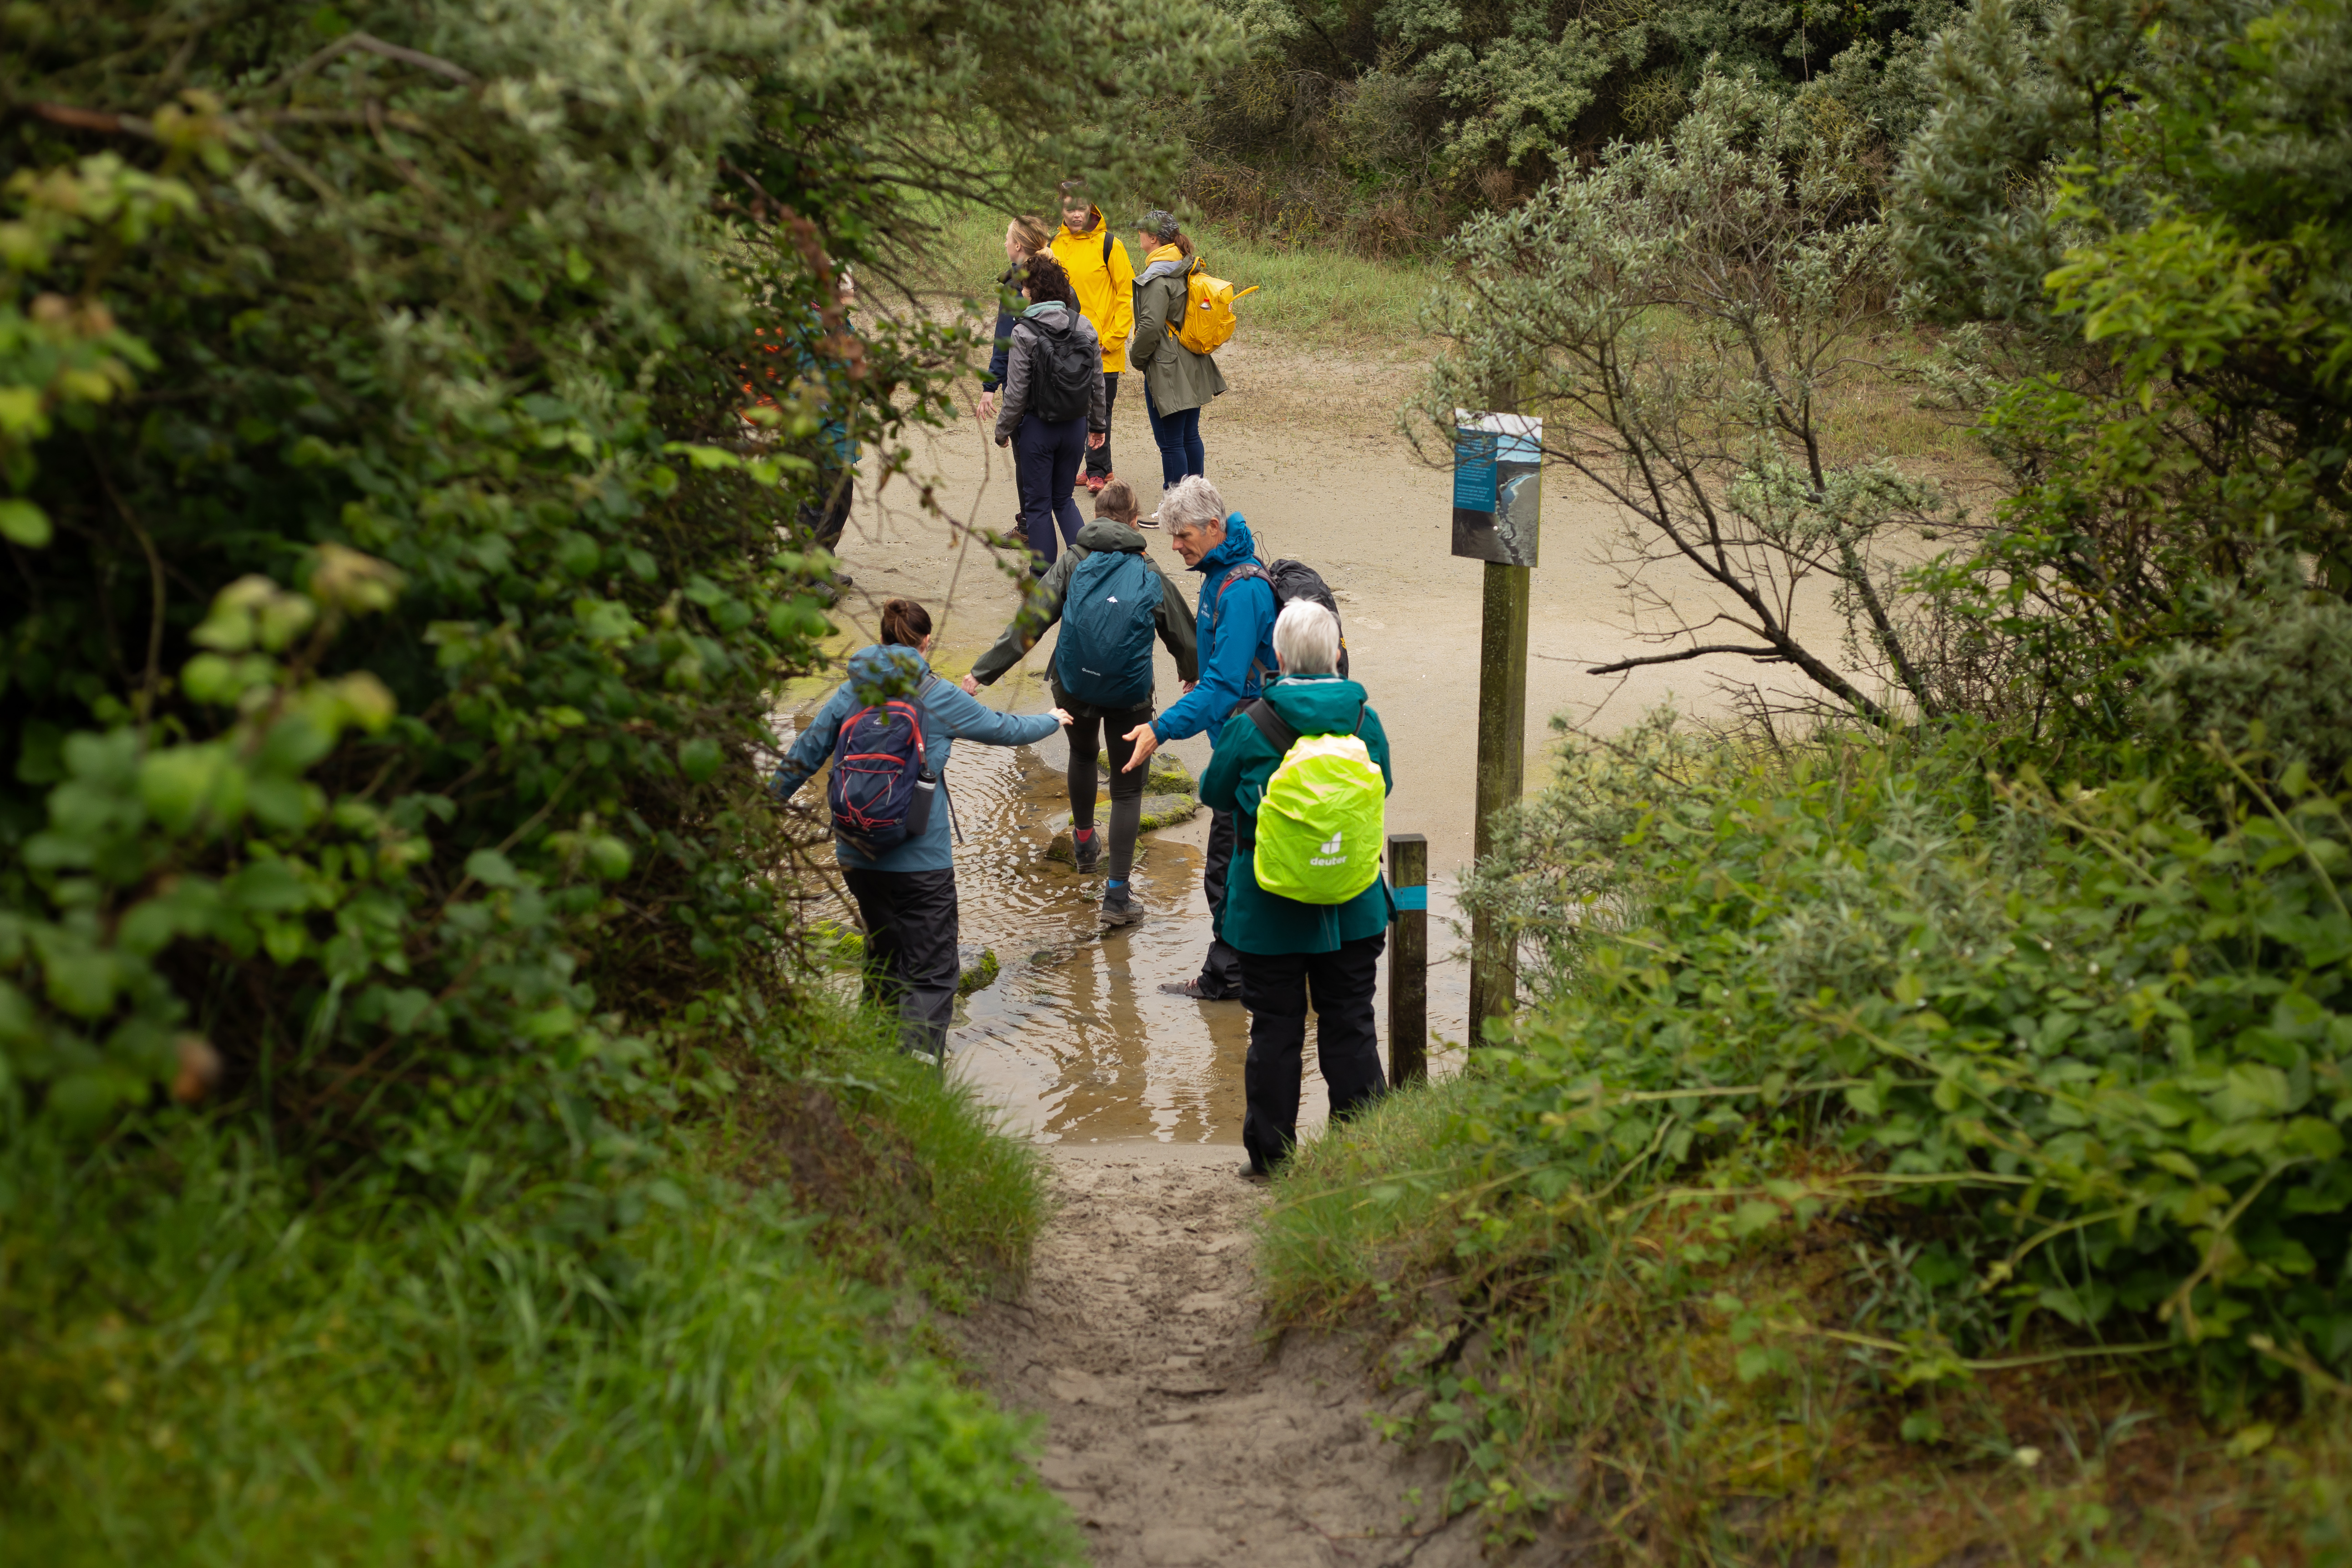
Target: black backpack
[1289, 580]
[1061, 375]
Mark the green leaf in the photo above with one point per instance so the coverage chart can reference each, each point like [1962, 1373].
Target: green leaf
[22, 522]
[492, 869]
[699, 758]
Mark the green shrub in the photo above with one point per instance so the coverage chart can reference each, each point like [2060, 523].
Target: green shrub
[2105, 1039]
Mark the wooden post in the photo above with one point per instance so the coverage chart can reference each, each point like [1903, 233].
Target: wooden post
[1502, 773]
[1409, 960]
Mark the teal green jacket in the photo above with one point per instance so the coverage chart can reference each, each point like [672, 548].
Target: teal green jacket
[1257, 921]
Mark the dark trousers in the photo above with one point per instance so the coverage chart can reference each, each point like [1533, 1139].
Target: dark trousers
[1126, 788]
[821, 521]
[1179, 437]
[1220, 972]
[1044, 466]
[911, 950]
[1278, 988]
[1099, 457]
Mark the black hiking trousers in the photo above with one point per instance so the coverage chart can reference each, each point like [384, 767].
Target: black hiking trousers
[1220, 972]
[1278, 988]
[1110, 727]
[911, 950]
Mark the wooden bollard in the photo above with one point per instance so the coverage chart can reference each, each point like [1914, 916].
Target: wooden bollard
[1409, 959]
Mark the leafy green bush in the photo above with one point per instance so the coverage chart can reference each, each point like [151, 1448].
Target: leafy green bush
[2151, 203]
[1381, 124]
[2105, 1041]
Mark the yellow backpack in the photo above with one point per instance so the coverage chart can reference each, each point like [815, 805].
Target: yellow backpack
[1209, 320]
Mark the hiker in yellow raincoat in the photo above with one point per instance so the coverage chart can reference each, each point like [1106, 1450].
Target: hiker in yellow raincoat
[1103, 276]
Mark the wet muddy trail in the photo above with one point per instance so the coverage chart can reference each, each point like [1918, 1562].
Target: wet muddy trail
[1176, 1432]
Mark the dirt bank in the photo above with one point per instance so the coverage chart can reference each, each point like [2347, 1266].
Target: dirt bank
[1176, 1434]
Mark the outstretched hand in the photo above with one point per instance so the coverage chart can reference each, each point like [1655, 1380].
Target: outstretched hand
[1062, 716]
[970, 686]
[1145, 744]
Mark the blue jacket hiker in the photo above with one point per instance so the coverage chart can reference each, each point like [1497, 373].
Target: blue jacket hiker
[906, 891]
[1235, 631]
[1295, 955]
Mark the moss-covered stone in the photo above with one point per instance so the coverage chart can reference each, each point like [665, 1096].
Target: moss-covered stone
[976, 967]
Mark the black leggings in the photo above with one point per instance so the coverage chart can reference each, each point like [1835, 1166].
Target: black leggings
[1088, 725]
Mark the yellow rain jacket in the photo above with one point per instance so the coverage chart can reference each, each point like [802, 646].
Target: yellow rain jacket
[1105, 280]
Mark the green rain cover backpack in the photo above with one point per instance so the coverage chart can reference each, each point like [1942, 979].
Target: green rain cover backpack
[1319, 826]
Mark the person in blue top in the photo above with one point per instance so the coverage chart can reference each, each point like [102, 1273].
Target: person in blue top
[907, 897]
[1234, 632]
[1295, 953]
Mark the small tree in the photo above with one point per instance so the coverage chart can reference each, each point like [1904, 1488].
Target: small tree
[1683, 317]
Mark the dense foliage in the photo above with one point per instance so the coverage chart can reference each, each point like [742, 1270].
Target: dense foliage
[1384, 123]
[1874, 1067]
[397, 568]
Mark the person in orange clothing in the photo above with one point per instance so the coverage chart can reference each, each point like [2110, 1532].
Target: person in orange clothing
[1103, 276]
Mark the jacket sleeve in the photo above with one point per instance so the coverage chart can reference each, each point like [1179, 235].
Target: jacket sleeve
[994, 376]
[1017, 386]
[966, 718]
[1150, 322]
[1221, 783]
[1042, 609]
[1241, 622]
[812, 748]
[1376, 741]
[1176, 627]
[1120, 325]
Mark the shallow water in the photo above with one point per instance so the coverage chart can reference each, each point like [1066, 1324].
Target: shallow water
[1074, 1041]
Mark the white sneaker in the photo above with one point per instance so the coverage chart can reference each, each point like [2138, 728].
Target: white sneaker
[1151, 521]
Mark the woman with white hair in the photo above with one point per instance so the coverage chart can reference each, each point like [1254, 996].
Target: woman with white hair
[1304, 902]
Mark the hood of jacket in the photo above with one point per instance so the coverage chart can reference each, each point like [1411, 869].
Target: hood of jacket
[1238, 547]
[1094, 230]
[1165, 262]
[1050, 315]
[885, 671]
[1316, 704]
[1108, 533]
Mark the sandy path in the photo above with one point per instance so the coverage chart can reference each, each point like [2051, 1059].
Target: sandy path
[1175, 1433]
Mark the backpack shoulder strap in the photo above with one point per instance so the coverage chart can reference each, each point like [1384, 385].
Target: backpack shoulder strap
[1270, 724]
[1107, 242]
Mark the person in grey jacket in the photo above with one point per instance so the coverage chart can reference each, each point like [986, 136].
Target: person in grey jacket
[1177, 383]
[907, 896]
[1090, 723]
[1047, 454]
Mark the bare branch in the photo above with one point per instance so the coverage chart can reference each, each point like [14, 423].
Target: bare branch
[1761, 655]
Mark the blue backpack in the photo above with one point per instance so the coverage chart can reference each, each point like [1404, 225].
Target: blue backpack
[1104, 656]
[882, 782]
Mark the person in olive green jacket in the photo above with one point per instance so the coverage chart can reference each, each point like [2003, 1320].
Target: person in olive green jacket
[1089, 724]
[1290, 950]
[1177, 383]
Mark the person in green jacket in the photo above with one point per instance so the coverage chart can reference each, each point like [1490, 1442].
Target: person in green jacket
[1177, 383]
[1172, 621]
[1293, 953]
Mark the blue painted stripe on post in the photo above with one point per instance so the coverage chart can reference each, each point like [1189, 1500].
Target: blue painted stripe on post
[1410, 898]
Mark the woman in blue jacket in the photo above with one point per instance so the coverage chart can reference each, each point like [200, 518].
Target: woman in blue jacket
[906, 897]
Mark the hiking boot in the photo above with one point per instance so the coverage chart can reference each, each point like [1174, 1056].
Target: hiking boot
[1088, 842]
[1095, 482]
[1192, 988]
[1251, 1174]
[1119, 906]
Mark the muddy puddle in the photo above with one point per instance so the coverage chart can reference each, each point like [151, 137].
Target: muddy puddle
[1074, 1042]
